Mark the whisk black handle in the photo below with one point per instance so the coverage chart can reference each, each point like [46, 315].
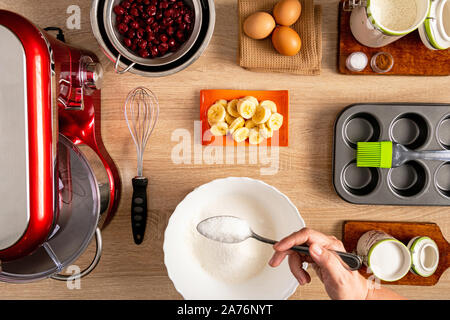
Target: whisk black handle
[139, 208]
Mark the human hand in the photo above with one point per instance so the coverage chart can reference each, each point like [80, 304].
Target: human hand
[339, 281]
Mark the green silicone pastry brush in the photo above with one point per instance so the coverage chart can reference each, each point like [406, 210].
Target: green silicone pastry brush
[388, 154]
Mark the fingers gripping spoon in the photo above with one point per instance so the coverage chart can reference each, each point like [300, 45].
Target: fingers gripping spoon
[228, 229]
[141, 113]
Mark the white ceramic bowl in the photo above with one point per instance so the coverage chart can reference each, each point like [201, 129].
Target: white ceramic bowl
[184, 268]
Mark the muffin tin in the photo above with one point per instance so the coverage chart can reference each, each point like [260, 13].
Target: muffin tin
[416, 126]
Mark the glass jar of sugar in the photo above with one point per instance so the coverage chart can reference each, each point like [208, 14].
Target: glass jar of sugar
[435, 31]
[376, 23]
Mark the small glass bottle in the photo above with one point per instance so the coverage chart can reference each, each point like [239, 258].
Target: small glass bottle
[357, 61]
[382, 62]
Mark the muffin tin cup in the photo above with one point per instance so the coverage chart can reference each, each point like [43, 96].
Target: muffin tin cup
[418, 127]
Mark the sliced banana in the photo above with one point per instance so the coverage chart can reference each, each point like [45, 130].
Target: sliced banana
[241, 134]
[264, 131]
[275, 122]
[229, 118]
[236, 124]
[270, 104]
[232, 108]
[262, 114]
[246, 108]
[216, 113]
[223, 102]
[219, 129]
[250, 124]
[252, 99]
[270, 132]
[254, 137]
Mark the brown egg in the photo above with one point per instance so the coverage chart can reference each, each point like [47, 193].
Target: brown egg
[287, 12]
[259, 25]
[286, 41]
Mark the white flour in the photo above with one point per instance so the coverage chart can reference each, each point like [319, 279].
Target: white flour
[396, 15]
[237, 262]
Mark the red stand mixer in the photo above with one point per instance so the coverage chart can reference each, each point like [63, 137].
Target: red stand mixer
[58, 184]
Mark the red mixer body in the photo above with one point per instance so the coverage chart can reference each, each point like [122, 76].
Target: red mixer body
[58, 94]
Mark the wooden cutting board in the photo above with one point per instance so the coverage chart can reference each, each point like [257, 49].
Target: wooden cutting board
[411, 57]
[403, 231]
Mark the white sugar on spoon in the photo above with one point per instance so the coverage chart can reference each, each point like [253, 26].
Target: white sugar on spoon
[225, 229]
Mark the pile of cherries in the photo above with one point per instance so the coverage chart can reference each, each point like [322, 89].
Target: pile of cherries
[151, 28]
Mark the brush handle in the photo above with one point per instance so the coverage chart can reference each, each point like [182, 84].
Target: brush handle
[441, 155]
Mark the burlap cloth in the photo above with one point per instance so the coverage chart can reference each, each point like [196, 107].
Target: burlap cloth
[259, 55]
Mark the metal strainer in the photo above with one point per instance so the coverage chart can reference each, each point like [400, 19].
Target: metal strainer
[115, 37]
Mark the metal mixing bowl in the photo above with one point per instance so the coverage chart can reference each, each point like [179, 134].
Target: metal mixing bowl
[116, 38]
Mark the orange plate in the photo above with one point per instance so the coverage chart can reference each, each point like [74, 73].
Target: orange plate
[209, 97]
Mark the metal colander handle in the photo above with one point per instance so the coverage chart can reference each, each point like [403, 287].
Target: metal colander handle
[116, 66]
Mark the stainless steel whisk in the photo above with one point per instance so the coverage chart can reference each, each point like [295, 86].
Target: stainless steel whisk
[141, 114]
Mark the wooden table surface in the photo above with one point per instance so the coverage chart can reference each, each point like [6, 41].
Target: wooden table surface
[127, 271]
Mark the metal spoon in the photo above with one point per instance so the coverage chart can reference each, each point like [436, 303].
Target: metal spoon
[229, 229]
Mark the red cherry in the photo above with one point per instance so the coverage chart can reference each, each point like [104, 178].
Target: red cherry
[172, 43]
[167, 21]
[126, 19]
[163, 48]
[180, 35]
[163, 38]
[122, 28]
[163, 5]
[131, 34]
[140, 33]
[134, 12]
[144, 53]
[154, 51]
[168, 13]
[187, 18]
[119, 10]
[134, 25]
[127, 42]
[126, 4]
[143, 44]
[170, 30]
[151, 10]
